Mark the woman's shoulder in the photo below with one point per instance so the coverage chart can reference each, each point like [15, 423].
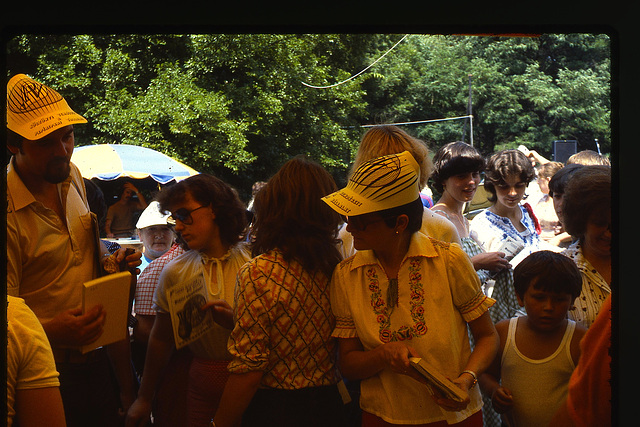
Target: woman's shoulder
[265, 261]
[482, 217]
[437, 225]
[574, 252]
[438, 208]
[241, 250]
[181, 264]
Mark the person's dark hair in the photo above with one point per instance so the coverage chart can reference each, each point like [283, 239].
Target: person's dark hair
[208, 190]
[587, 198]
[503, 164]
[291, 216]
[559, 180]
[414, 210]
[548, 271]
[453, 159]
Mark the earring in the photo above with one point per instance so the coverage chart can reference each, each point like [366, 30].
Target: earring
[397, 232]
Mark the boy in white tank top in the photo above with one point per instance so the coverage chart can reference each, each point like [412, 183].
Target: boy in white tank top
[529, 377]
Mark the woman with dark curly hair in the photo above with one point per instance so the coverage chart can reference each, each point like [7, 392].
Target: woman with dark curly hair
[586, 215]
[210, 218]
[283, 371]
[508, 225]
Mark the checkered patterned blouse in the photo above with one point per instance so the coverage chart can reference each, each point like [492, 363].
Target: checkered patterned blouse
[284, 324]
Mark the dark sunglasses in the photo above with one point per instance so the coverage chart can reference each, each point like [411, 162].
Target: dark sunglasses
[183, 215]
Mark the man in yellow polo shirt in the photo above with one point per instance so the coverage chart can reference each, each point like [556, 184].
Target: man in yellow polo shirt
[53, 247]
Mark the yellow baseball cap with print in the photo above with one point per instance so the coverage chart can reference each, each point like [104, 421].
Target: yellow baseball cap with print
[378, 184]
[35, 110]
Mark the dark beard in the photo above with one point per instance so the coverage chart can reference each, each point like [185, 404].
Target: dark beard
[57, 171]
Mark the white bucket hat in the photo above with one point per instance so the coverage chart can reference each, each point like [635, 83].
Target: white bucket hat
[152, 216]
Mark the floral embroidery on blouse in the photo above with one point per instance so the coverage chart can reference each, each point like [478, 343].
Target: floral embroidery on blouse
[405, 332]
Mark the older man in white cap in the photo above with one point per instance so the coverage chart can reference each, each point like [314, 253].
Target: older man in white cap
[155, 233]
[53, 247]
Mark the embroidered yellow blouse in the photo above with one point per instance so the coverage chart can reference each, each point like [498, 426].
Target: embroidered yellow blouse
[438, 292]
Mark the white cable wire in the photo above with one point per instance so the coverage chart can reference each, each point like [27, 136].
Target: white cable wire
[356, 75]
[421, 121]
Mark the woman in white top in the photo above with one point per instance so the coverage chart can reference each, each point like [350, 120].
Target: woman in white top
[506, 226]
[211, 220]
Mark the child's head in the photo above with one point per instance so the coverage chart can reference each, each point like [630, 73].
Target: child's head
[502, 166]
[545, 173]
[549, 272]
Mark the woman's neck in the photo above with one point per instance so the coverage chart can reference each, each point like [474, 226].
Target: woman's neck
[454, 209]
[514, 213]
[392, 255]
[454, 205]
[599, 261]
[216, 250]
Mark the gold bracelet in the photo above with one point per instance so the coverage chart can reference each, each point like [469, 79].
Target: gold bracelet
[473, 374]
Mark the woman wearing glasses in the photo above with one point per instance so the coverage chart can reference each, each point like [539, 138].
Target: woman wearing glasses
[404, 295]
[211, 219]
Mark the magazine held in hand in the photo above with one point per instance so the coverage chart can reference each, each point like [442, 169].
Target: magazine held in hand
[189, 322]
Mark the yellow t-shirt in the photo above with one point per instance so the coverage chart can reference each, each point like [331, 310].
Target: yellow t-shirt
[438, 292]
[30, 363]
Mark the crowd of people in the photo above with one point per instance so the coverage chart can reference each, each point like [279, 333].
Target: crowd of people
[310, 308]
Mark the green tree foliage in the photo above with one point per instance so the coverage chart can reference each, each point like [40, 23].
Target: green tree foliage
[525, 90]
[235, 104]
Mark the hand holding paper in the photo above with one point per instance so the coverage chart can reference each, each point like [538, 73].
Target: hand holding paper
[221, 311]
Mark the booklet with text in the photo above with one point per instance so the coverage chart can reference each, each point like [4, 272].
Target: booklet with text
[112, 292]
[437, 380]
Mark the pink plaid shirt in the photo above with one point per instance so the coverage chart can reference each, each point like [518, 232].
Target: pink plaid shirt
[148, 281]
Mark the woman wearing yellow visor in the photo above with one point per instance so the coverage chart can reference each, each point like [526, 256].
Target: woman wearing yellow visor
[404, 295]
